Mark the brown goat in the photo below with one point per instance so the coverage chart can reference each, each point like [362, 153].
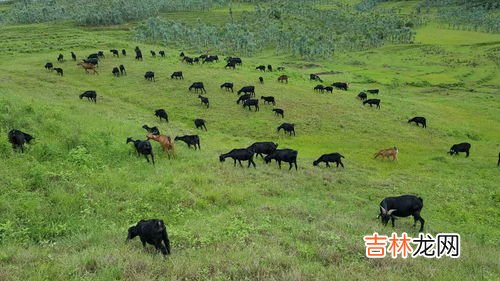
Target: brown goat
[88, 66]
[166, 143]
[387, 153]
[283, 78]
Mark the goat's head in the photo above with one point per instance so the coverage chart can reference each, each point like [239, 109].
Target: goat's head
[129, 140]
[132, 232]
[385, 215]
[222, 158]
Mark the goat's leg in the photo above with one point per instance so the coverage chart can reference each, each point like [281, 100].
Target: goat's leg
[234, 162]
[152, 158]
[341, 164]
[291, 165]
[467, 153]
[239, 162]
[422, 221]
[253, 163]
[392, 221]
[279, 163]
[295, 163]
[145, 155]
[328, 164]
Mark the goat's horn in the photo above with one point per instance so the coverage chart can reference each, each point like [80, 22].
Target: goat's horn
[383, 210]
[391, 211]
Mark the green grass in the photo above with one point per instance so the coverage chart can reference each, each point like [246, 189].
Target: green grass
[66, 203]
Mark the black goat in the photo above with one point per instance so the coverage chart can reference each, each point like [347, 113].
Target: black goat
[332, 157]
[419, 120]
[269, 99]
[143, 147]
[461, 147]
[153, 54]
[373, 91]
[261, 67]
[18, 138]
[60, 58]
[152, 130]
[162, 53]
[122, 69]
[197, 86]
[49, 66]
[402, 206]
[242, 154]
[328, 89]
[114, 52]
[279, 111]
[177, 75]
[288, 128]
[90, 95]
[372, 102]
[150, 75]
[243, 98]
[190, 140]
[319, 88]
[261, 148]
[285, 155]
[200, 123]
[204, 100]
[261, 80]
[153, 232]
[100, 54]
[230, 65]
[124, 52]
[161, 113]
[59, 70]
[228, 86]
[73, 56]
[247, 90]
[116, 71]
[362, 96]
[341, 85]
[315, 77]
[269, 68]
[250, 103]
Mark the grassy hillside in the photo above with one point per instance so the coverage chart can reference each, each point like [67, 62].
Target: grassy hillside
[67, 202]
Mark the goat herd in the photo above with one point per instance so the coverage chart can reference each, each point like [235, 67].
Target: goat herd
[154, 231]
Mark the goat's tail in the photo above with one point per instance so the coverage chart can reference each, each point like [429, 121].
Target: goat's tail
[341, 156]
[421, 200]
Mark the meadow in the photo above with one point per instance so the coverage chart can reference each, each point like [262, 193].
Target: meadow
[67, 202]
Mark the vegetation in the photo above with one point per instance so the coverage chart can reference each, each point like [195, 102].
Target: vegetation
[66, 203]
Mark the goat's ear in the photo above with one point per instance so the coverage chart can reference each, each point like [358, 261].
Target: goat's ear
[383, 210]
[391, 211]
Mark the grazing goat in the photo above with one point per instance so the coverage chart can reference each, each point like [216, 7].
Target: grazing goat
[122, 70]
[261, 148]
[88, 66]
[166, 143]
[372, 102]
[153, 54]
[261, 80]
[362, 96]
[250, 103]
[402, 206]
[59, 70]
[341, 85]
[243, 98]
[197, 86]
[230, 65]
[285, 155]
[143, 147]
[151, 130]
[419, 120]
[100, 54]
[93, 56]
[18, 138]
[177, 75]
[90, 95]
[332, 157]
[181, 54]
[204, 100]
[280, 68]
[269, 99]
[190, 140]
[162, 53]
[115, 52]
[373, 91]
[461, 147]
[247, 90]
[283, 78]
[124, 52]
[150, 75]
[200, 124]
[60, 58]
[49, 66]
[279, 111]
[73, 56]
[116, 71]
[227, 86]
[138, 54]
[315, 77]
[162, 114]
[153, 232]
[388, 152]
[269, 68]
[242, 154]
[236, 61]
[287, 128]
[328, 89]
[261, 67]
[319, 88]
